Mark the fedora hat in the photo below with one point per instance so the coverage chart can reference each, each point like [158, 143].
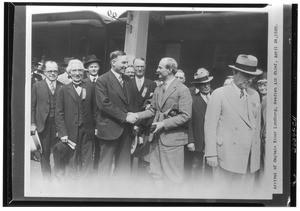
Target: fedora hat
[202, 76]
[90, 59]
[246, 64]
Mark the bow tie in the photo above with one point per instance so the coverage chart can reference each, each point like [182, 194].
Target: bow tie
[77, 85]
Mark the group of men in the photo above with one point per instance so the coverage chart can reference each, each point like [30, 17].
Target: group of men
[92, 123]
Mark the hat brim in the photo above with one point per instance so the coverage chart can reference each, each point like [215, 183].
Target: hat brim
[257, 72]
[93, 61]
[203, 82]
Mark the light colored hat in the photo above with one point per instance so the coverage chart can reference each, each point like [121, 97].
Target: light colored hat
[202, 76]
[246, 64]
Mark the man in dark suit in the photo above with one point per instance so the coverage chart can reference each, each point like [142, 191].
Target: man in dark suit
[92, 64]
[75, 121]
[194, 153]
[144, 89]
[113, 98]
[171, 107]
[43, 101]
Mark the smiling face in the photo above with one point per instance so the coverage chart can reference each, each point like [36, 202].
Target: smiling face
[129, 72]
[262, 88]
[162, 71]
[119, 64]
[93, 68]
[51, 71]
[139, 67]
[75, 70]
[242, 80]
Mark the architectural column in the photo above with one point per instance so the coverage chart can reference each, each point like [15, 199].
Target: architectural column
[136, 34]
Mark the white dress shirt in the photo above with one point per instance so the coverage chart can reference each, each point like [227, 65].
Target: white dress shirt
[49, 84]
[93, 77]
[118, 76]
[139, 82]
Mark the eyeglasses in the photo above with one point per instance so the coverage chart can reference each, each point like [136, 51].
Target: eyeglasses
[51, 71]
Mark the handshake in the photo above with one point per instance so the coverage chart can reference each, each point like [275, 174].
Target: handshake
[131, 117]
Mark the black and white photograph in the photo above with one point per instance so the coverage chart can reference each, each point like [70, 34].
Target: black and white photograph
[155, 103]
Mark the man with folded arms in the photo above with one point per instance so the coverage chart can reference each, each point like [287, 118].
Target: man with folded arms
[232, 129]
[43, 101]
[171, 107]
[75, 121]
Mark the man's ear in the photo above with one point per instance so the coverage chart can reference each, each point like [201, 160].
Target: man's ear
[113, 62]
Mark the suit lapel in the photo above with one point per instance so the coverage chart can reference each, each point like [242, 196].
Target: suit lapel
[250, 109]
[116, 86]
[58, 84]
[234, 100]
[45, 91]
[200, 104]
[72, 91]
[169, 91]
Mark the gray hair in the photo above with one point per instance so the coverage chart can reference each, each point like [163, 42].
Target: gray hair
[72, 63]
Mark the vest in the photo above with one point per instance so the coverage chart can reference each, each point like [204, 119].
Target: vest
[80, 108]
[52, 98]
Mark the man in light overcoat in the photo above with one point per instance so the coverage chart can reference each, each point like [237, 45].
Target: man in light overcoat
[232, 129]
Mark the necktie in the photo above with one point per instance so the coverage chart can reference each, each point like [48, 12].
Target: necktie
[94, 80]
[77, 85]
[139, 84]
[241, 93]
[52, 88]
[207, 98]
[121, 81]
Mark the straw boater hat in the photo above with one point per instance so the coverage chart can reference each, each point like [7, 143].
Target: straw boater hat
[90, 59]
[246, 64]
[202, 76]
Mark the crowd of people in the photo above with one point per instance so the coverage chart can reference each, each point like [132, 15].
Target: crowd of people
[117, 124]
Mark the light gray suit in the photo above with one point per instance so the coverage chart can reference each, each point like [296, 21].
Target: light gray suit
[166, 153]
[232, 131]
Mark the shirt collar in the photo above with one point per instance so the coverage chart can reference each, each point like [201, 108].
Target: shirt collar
[49, 82]
[140, 79]
[118, 75]
[238, 90]
[92, 77]
[169, 82]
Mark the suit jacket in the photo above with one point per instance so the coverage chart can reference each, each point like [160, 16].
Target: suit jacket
[113, 103]
[196, 125]
[178, 97]
[40, 103]
[229, 133]
[67, 110]
[144, 94]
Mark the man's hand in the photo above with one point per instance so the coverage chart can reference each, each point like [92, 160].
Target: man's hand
[131, 117]
[159, 126]
[64, 139]
[212, 161]
[191, 147]
[96, 132]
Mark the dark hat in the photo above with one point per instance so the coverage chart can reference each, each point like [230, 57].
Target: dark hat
[202, 76]
[246, 64]
[66, 61]
[90, 59]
